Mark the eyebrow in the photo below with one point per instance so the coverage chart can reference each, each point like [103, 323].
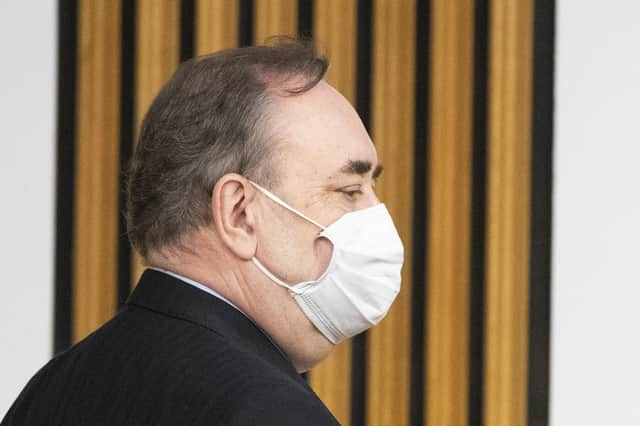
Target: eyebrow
[361, 167]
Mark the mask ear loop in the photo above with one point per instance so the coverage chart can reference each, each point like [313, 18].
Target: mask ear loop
[275, 279]
[277, 200]
[259, 264]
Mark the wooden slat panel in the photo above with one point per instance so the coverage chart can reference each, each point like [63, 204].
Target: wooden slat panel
[275, 17]
[450, 202]
[216, 25]
[97, 161]
[157, 51]
[335, 33]
[392, 120]
[334, 26]
[509, 145]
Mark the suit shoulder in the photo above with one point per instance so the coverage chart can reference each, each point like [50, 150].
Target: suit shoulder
[19, 412]
[274, 403]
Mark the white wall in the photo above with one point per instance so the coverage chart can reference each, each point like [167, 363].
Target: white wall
[27, 184]
[596, 244]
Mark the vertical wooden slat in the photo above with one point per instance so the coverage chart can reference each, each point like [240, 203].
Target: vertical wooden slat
[335, 31]
[157, 50]
[509, 146]
[275, 17]
[96, 223]
[450, 202]
[392, 131]
[216, 25]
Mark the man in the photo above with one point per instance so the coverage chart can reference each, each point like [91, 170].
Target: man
[251, 198]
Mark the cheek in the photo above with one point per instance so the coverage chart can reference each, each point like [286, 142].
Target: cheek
[278, 237]
[301, 255]
[323, 249]
[287, 247]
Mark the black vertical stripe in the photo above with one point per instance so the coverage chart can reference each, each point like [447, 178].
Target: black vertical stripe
[478, 213]
[127, 126]
[245, 23]
[541, 209]
[305, 18]
[65, 173]
[363, 60]
[420, 212]
[363, 106]
[187, 27]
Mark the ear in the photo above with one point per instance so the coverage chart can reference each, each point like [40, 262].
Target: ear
[233, 214]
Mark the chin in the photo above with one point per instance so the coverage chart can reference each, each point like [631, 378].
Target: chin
[305, 362]
[305, 367]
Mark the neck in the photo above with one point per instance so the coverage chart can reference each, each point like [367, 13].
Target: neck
[266, 303]
[224, 281]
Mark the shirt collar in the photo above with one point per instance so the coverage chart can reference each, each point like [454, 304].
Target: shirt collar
[198, 285]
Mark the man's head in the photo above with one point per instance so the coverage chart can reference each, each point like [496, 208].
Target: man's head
[260, 114]
[210, 119]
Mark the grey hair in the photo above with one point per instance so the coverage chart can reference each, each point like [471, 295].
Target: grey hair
[209, 120]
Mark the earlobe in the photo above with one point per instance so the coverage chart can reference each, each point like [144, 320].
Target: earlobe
[233, 214]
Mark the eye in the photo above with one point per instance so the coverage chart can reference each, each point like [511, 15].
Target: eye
[351, 193]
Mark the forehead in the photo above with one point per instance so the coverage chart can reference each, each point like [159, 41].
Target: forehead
[321, 132]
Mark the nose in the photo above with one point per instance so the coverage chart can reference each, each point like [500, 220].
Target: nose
[371, 198]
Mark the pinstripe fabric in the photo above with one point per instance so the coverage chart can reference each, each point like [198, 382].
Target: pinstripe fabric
[173, 355]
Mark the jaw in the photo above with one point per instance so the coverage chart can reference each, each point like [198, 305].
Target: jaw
[311, 352]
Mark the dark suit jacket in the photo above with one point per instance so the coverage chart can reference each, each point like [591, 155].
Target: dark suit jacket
[173, 355]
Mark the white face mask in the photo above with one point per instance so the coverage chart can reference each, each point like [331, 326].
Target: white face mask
[362, 279]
